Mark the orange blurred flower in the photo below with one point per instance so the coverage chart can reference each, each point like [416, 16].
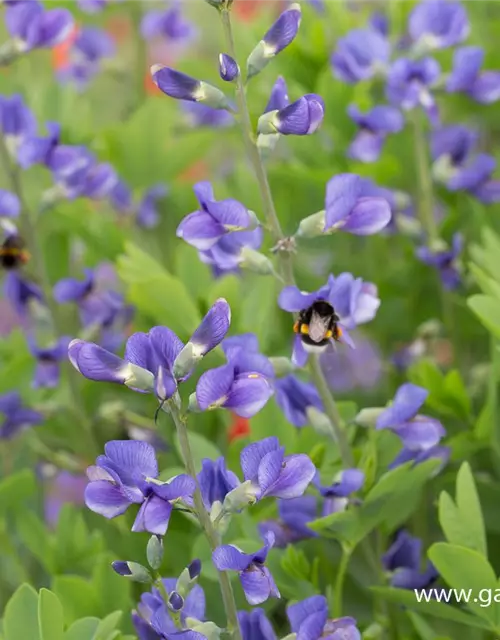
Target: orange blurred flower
[61, 51]
[248, 10]
[240, 428]
[195, 172]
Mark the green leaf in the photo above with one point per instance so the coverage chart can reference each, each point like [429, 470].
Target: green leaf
[451, 521]
[295, 563]
[15, 489]
[487, 309]
[434, 608]
[36, 538]
[20, 620]
[83, 629]
[192, 272]
[455, 394]
[107, 626]
[50, 616]
[468, 503]
[156, 292]
[464, 568]
[78, 597]
[201, 448]
[113, 590]
[423, 629]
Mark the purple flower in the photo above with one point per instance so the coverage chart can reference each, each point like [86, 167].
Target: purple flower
[436, 24]
[20, 293]
[62, 488]
[16, 417]
[475, 177]
[182, 87]
[444, 260]
[152, 620]
[198, 114]
[215, 481]
[302, 117]
[255, 625]
[417, 432]
[33, 27]
[309, 620]
[150, 358]
[38, 149]
[360, 55]
[409, 82]
[348, 369]
[374, 127]
[466, 77]
[48, 360]
[214, 219]
[410, 455]
[380, 22]
[279, 96]
[336, 495]
[264, 463]
[280, 35]
[294, 515]
[17, 122]
[228, 68]
[228, 253]
[147, 213]
[454, 141]
[294, 397]
[350, 206]
[127, 474]
[10, 206]
[256, 579]
[89, 48]
[169, 24]
[403, 560]
[120, 197]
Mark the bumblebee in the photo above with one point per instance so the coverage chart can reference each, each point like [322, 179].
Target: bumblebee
[317, 325]
[13, 252]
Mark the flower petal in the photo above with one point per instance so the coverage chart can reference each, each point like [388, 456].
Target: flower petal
[106, 499]
[200, 230]
[486, 89]
[467, 62]
[252, 455]
[248, 394]
[214, 386]
[231, 214]
[153, 516]
[298, 471]
[299, 614]
[95, 363]
[228, 557]
[182, 486]
[407, 401]
[213, 328]
[270, 469]
[299, 354]
[166, 345]
[9, 204]
[132, 458]
[342, 193]
[292, 299]
[420, 433]
[370, 215]
[258, 585]
[366, 146]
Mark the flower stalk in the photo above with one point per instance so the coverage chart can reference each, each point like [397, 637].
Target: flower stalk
[203, 516]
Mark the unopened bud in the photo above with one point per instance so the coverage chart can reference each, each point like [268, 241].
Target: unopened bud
[154, 552]
[182, 87]
[312, 226]
[368, 417]
[228, 68]
[175, 601]
[255, 261]
[132, 570]
[194, 569]
[240, 497]
[185, 361]
[193, 406]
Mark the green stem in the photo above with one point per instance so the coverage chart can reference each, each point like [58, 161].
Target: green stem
[493, 392]
[204, 520]
[30, 236]
[331, 410]
[424, 179]
[255, 159]
[339, 582]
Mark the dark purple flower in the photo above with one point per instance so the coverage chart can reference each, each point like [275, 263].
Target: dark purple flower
[150, 358]
[10, 207]
[215, 481]
[417, 432]
[475, 177]
[182, 87]
[229, 252]
[454, 141]
[31, 26]
[360, 55]
[444, 260]
[228, 68]
[436, 24]
[127, 474]
[48, 362]
[256, 579]
[20, 292]
[349, 206]
[294, 397]
[373, 129]
[87, 51]
[147, 212]
[16, 417]
[214, 219]
[152, 620]
[254, 625]
[280, 35]
[279, 96]
[409, 83]
[302, 117]
[336, 495]
[403, 560]
[264, 463]
[409, 455]
[309, 621]
[466, 77]
[198, 114]
[294, 516]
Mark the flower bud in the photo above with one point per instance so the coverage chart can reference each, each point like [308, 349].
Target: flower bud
[240, 497]
[319, 421]
[312, 226]
[132, 570]
[282, 366]
[175, 601]
[228, 68]
[279, 36]
[182, 87]
[193, 406]
[188, 578]
[154, 552]
[194, 569]
[164, 383]
[302, 117]
[368, 417]
[255, 261]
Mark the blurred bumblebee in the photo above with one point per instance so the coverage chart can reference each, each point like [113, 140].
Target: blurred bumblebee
[13, 252]
[317, 325]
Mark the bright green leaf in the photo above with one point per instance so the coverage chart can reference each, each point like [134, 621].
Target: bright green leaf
[50, 616]
[83, 629]
[15, 489]
[470, 507]
[487, 309]
[20, 620]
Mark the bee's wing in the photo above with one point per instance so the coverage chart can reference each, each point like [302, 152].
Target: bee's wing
[318, 326]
